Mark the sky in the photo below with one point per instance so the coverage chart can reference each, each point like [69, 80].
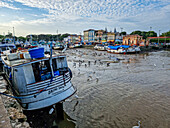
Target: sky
[75, 16]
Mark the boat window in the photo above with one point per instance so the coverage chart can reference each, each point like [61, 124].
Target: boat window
[54, 65]
[45, 70]
[36, 70]
[42, 70]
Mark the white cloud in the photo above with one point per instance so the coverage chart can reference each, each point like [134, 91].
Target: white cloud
[7, 5]
[72, 14]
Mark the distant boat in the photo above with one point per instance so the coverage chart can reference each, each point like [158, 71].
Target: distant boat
[133, 49]
[58, 46]
[100, 47]
[78, 45]
[119, 49]
[71, 46]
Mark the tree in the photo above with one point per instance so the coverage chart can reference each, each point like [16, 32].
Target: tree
[1, 36]
[145, 34]
[21, 38]
[123, 33]
[166, 34]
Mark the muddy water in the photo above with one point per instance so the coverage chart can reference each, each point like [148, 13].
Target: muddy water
[119, 95]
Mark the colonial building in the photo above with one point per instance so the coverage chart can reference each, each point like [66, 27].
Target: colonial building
[89, 35]
[132, 40]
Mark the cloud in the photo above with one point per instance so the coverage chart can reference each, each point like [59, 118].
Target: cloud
[94, 7]
[7, 5]
[65, 14]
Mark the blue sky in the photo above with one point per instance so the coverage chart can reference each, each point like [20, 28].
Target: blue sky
[75, 16]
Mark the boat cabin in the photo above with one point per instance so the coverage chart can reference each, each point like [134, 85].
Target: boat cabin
[37, 81]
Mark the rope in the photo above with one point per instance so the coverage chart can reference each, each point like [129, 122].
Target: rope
[29, 96]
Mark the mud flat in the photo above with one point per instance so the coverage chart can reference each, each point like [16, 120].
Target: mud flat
[120, 94]
[113, 91]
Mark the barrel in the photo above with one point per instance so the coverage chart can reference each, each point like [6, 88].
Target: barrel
[36, 52]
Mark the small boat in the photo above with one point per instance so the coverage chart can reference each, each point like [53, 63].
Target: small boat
[100, 47]
[78, 45]
[119, 49]
[133, 49]
[71, 46]
[38, 80]
[58, 46]
[3, 48]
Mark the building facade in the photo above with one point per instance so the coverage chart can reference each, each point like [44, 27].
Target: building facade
[99, 36]
[86, 36]
[73, 38]
[110, 37]
[132, 40]
[89, 35]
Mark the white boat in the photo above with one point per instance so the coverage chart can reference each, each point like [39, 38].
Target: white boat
[78, 45]
[100, 47]
[58, 47]
[39, 82]
[3, 49]
[133, 49]
[116, 49]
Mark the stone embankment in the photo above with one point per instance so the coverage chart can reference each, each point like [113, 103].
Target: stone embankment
[11, 115]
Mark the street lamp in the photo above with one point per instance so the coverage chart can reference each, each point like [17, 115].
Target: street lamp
[158, 37]
[13, 35]
[121, 34]
[57, 35]
[150, 28]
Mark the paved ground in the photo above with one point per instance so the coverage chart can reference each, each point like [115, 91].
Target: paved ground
[4, 119]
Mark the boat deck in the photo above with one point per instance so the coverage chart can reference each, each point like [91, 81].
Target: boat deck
[17, 62]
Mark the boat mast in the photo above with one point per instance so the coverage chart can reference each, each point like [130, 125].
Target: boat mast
[51, 53]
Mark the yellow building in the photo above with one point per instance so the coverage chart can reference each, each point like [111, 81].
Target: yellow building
[110, 37]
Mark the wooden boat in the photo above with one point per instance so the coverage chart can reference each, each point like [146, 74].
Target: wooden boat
[38, 81]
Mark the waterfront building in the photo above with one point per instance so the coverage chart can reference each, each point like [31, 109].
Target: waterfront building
[73, 38]
[99, 36]
[89, 35]
[86, 36]
[110, 37]
[133, 40]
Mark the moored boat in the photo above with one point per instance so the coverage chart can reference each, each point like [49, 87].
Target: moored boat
[38, 80]
[133, 49]
[116, 49]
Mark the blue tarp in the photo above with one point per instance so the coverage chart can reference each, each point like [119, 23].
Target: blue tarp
[118, 46]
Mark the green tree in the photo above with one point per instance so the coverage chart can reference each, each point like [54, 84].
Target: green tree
[145, 34]
[123, 33]
[165, 34]
[21, 38]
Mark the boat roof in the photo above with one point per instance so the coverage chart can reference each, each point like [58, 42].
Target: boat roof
[21, 62]
[118, 46]
[7, 45]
